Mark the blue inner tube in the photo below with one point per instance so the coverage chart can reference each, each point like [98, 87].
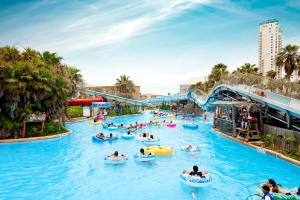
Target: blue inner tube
[111, 128]
[96, 139]
[104, 126]
[126, 136]
[190, 126]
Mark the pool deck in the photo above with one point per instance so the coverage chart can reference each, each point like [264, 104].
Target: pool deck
[271, 152]
[78, 119]
[35, 138]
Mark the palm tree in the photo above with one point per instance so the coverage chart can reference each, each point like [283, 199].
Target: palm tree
[10, 54]
[271, 74]
[289, 59]
[125, 85]
[248, 68]
[28, 54]
[75, 77]
[30, 82]
[217, 72]
[51, 58]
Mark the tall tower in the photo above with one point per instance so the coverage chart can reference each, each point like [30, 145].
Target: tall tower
[270, 43]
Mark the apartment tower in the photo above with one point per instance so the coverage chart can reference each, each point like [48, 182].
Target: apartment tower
[270, 43]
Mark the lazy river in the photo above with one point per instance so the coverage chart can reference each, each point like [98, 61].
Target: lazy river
[72, 167]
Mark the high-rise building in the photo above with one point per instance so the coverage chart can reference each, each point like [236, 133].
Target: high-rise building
[270, 43]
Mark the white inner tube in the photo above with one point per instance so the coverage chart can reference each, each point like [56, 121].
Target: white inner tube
[194, 181]
[115, 160]
[145, 158]
[194, 149]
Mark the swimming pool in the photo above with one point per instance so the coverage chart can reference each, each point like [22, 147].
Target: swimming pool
[72, 167]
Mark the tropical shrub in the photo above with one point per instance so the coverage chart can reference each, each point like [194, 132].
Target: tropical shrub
[31, 81]
[112, 113]
[50, 128]
[165, 107]
[74, 111]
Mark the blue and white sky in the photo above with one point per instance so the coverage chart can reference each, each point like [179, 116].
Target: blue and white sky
[158, 43]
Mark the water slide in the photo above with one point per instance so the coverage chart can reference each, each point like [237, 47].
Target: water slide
[278, 102]
[114, 97]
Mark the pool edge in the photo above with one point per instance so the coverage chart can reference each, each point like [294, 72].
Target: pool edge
[31, 139]
[270, 152]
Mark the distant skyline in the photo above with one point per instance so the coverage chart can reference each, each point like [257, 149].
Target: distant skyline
[158, 43]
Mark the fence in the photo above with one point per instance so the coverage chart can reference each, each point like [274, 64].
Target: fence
[268, 129]
[223, 125]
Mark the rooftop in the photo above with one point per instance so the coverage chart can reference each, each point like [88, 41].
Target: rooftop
[269, 21]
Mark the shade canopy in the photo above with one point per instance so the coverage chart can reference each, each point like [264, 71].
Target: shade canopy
[101, 104]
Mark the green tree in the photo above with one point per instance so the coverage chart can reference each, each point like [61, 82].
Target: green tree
[248, 68]
[289, 59]
[217, 72]
[125, 85]
[31, 83]
[30, 54]
[271, 74]
[75, 78]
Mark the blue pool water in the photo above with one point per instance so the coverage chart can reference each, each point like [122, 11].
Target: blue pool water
[72, 167]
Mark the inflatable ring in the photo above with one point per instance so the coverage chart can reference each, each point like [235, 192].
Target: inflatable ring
[159, 150]
[104, 126]
[190, 126]
[171, 116]
[142, 125]
[171, 125]
[144, 158]
[126, 136]
[97, 122]
[140, 138]
[194, 149]
[194, 181]
[115, 161]
[96, 139]
[277, 196]
[148, 141]
[112, 128]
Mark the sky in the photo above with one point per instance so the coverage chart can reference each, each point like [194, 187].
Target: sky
[158, 43]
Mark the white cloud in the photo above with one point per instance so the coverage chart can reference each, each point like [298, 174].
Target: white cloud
[119, 31]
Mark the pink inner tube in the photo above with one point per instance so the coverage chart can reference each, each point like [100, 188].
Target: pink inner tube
[171, 125]
[101, 118]
[186, 118]
[142, 125]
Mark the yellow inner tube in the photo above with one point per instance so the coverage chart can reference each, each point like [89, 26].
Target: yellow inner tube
[159, 150]
[97, 122]
[171, 116]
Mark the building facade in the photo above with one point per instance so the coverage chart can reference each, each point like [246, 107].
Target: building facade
[184, 88]
[114, 91]
[270, 43]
